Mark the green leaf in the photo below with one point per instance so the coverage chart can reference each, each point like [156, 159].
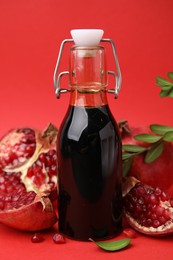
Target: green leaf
[164, 93]
[170, 75]
[154, 153]
[126, 156]
[168, 137]
[133, 148]
[113, 245]
[160, 129]
[148, 138]
[171, 93]
[167, 87]
[126, 166]
[163, 82]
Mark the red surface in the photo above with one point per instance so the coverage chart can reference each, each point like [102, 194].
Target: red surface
[30, 36]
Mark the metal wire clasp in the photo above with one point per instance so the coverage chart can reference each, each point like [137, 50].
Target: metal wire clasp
[116, 74]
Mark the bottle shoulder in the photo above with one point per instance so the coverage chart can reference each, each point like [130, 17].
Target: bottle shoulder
[91, 120]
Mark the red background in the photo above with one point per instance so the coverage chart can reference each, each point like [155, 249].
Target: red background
[30, 36]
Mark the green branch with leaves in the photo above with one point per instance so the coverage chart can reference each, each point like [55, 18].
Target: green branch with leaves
[166, 85]
[154, 142]
[151, 151]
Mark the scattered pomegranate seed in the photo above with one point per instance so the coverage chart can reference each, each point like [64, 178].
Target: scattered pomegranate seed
[58, 239]
[130, 233]
[37, 238]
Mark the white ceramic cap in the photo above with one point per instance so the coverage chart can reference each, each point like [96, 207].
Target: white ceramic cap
[87, 37]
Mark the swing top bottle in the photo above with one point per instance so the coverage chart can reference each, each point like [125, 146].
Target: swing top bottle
[89, 151]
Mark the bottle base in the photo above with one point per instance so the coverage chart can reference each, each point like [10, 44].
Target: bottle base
[90, 238]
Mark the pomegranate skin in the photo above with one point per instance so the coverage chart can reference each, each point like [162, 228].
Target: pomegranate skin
[146, 209]
[157, 173]
[38, 215]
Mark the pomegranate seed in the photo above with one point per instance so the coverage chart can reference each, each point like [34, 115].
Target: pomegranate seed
[148, 214]
[162, 220]
[36, 168]
[166, 214]
[30, 148]
[153, 199]
[48, 161]
[156, 223]
[142, 220]
[8, 198]
[2, 205]
[1, 197]
[42, 157]
[39, 163]
[2, 179]
[8, 206]
[30, 172]
[15, 197]
[37, 238]
[138, 208]
[144, 208]
[130, 233]
[54, 158]
[164, 196]
[141, 200]
[159, 210]
[2, 187]
[51, 153]
[22, 146]
[25, 131]
[141, 190]
[153, 216]
[130, 207]
[157, 191]
[148, 222]
[149, 206]
[9, 189]
[58, 239]
[39, 178]
[171, 202]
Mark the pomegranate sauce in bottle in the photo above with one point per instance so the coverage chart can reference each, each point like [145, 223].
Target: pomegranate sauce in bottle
[89, 147]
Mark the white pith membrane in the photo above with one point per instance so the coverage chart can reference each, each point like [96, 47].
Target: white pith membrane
[162, 229]
[43, 146]
[150, 230]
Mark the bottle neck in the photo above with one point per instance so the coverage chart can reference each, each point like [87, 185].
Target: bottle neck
[88, 98]
[88, 76]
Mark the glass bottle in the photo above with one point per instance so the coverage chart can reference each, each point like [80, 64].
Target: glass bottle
[89, 151]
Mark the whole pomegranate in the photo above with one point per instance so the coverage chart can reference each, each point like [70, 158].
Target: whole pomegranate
[28, 178]
[148, 187]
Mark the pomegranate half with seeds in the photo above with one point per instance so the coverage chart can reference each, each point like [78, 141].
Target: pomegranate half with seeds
[148, 210]
[28, 178]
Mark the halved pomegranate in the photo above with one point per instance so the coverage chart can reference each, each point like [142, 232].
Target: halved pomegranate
[148, 210]
[28, 178]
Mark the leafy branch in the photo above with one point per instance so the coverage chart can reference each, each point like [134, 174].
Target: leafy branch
[166, 85]
[153, 148]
